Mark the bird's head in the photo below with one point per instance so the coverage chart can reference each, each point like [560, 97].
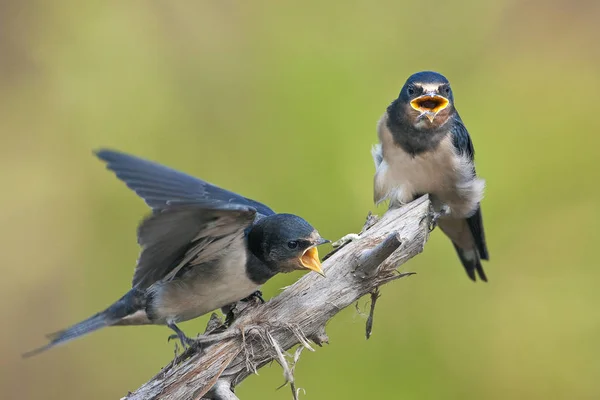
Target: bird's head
[286, 242]
[426, 100]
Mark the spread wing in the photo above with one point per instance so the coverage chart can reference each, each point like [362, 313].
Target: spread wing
[187, 234]
[158, 185]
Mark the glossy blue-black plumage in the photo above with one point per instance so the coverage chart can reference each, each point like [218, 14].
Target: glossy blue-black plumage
[463, 145]
[158, 184]
[475, 223]
[427, 77]
[461, 138]
[414, 82]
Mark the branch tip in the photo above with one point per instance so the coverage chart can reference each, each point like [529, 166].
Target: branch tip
[371, 259]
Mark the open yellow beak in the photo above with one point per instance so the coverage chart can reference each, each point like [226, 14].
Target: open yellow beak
[430, 105]
[310, 260]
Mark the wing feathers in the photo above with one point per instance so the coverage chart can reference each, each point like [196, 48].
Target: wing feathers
[186, 234]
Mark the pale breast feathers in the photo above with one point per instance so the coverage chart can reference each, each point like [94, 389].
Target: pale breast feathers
[443, 173]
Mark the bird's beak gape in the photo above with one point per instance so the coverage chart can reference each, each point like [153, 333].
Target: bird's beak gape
[310, 258]
[430, 105]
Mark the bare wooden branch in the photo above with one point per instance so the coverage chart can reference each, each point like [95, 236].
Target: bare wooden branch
[262, 333]
[222, 391]
[370, 260]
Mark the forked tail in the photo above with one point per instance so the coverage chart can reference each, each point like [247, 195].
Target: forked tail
[133, 301]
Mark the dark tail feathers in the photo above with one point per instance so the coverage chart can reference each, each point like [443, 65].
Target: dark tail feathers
[130, 303]
[472, 262]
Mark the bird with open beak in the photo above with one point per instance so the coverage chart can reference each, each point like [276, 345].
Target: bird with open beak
[425, 148]
[203, 248]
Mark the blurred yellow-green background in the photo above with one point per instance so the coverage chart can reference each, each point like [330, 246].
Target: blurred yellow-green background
[279, 101]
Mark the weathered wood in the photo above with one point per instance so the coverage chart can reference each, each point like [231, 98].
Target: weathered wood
[263, 332]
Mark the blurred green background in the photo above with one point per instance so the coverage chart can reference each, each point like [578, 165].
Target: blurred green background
[279, 101]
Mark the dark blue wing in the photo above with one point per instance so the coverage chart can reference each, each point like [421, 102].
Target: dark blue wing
[461, 138]
[158, 185]
[475, 223]
[463, 144]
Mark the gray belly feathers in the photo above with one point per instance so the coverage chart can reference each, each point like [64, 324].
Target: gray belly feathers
[202, 289]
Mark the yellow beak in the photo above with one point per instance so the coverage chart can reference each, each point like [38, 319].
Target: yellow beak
[310, 260]
[430, 105]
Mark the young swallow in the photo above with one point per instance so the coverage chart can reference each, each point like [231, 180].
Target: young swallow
[202, 248]
[425, 148]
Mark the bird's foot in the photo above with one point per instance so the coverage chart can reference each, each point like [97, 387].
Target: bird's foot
[256, 295]
[434, 216]
[345, 240]
[233, 310]
[185, 341]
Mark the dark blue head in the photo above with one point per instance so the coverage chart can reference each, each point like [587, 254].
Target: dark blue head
[286, 242]
[426, 100]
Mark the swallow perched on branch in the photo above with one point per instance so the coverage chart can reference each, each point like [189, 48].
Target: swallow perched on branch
[425, 148]
[202, 248]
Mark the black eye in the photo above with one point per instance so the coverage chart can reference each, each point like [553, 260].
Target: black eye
[292, 244]
[446, 90]
[410, 90]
